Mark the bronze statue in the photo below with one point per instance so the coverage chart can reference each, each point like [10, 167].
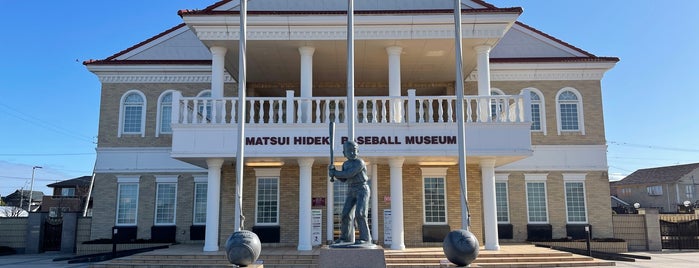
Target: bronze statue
[357, 202]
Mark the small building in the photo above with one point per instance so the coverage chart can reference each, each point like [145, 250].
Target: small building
[20, 198]
[68, 196]
[665, 188]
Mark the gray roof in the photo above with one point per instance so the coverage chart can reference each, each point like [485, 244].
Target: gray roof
[75, 182]
[659, 175]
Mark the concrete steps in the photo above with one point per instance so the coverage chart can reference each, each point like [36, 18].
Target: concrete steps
[514, 256]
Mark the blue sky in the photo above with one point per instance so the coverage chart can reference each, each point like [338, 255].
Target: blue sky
[49, 102]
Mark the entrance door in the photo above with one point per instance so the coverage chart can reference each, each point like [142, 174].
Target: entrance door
[52, 233]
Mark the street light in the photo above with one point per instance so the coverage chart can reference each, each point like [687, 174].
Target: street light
[31, 190]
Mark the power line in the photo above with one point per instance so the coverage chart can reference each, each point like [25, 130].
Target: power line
[654, 147]
[38, 122]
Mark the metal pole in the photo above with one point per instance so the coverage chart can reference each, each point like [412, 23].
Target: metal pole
[350, 71]
[31, 190]
[240, 155]
[461, 133]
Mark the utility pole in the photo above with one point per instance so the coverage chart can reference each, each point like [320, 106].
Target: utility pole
[31, 190]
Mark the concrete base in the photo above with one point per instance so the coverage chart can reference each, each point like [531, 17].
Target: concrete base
[352, 257]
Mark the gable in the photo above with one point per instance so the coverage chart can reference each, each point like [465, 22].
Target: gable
[524, 42]
[179, 44]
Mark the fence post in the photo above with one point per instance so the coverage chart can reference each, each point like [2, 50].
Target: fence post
[653, 237]
[411, 105]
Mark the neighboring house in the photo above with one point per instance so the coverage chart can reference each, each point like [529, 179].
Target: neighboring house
[12, 211]
[20, 198]
[665, 188]
[168, 129]
[68, 196]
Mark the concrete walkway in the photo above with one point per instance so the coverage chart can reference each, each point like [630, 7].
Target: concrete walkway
[42, 260]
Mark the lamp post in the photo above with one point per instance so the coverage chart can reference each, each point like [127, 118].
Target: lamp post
[31, 190]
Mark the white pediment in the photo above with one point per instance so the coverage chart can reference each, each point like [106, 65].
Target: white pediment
[521, 42]
[180, 44]
[335, 5]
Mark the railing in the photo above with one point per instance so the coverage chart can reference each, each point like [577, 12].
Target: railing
[369, 110]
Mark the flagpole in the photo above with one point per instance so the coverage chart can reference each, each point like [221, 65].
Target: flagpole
[350, 71]
[461, 133]
[241, 116]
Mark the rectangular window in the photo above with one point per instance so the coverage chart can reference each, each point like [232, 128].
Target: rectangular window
[67, 191]
[536, 202]
[625, 192]
[267, 201]
[200, 190]
[536, 117]
[503, 212]
[569, 116]
[689, 191]
[127, 204]
[132, 118]
[166, 118]
[575, 202]
[165, 202]
[435, 201]
[655, 190]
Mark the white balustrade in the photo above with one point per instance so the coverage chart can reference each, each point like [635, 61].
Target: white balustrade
[409, 109]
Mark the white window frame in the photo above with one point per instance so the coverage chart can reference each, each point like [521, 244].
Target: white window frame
[199, 180]
[122, 111]
[689, 191]
[536, 178]
[123, 181]
[67, 192]
[266, 173]
[575, 178]
[204, 105]
[654, 190]
[161, 106]
[162, 181]
[503, 178]
[579, 104]
[434, 173]
[542, 108]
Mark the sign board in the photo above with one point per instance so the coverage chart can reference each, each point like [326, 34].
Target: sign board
[387, 237]
[316, 227]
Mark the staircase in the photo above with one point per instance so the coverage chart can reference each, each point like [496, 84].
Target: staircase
[507, 256]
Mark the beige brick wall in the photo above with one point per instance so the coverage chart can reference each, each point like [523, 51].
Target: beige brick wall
[104, 194]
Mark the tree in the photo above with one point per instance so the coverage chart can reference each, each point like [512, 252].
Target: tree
[11, 211]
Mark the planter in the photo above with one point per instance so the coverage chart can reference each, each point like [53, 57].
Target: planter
[610, 247]
[85, 249]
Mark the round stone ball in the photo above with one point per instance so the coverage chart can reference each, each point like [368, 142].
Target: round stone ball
[243, 248]
[461, 247]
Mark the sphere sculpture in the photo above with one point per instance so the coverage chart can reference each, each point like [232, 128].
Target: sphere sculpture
[460, 247]
[243, 248]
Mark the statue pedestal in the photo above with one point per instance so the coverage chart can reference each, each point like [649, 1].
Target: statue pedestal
[351, 257]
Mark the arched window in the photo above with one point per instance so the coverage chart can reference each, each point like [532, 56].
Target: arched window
[132, 113]
[164, 113]
[204, 106]
[538, 110]
[569, 111]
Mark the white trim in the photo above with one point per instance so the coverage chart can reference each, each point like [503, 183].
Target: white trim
[155, 207]
[257, 191]
[574, 177]
[158, 120]
[141, 160]
[435, 173]
[542, 71]
[542, 108]
[535, 177]
[565, 195]
[166, 178]
[267, 172]
[561, 158]
[120, 130]
[127, 179]
[581, 113]
[116, 214]
[201, 178]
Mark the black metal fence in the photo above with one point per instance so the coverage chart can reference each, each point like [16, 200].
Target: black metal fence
[680, 234]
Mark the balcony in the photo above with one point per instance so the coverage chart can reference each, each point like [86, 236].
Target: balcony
[419, 128]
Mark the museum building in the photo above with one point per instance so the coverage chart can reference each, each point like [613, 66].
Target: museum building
[169, 127]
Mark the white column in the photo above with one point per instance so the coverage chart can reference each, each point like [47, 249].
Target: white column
[397, 230]
[213, 197]
[490, 220]
[484, 80]
[374, 203]
[218, 55]
[305, 175]
[394, 82]
[306, 81]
